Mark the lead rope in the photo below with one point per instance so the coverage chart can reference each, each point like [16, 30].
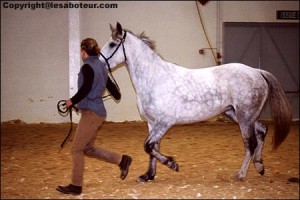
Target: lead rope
[64, 110]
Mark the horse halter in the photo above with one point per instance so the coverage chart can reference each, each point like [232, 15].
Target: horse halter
[121, 43]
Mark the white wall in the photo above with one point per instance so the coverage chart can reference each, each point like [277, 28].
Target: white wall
[34, 63]
[37, 48]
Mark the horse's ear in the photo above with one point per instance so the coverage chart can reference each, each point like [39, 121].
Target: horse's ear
[119, 28]
[111, 28]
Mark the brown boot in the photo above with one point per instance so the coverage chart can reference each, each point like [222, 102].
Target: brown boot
[70, 189]
[124, 166]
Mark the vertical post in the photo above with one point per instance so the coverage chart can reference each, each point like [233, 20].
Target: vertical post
[74, 51]
[218, 33]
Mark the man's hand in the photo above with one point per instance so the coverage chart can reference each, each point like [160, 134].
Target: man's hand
[68, 103]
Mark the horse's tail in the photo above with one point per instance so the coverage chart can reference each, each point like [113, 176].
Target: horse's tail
[280, 109]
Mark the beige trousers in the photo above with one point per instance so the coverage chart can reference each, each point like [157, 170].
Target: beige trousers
[83, 144]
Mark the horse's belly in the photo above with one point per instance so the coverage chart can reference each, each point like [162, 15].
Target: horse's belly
[190, 113]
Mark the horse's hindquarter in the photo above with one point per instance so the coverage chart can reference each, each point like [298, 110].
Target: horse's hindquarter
[245, 87]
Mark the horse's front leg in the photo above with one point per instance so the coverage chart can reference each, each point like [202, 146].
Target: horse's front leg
[166, 160]
[150, 174]
[152, 148]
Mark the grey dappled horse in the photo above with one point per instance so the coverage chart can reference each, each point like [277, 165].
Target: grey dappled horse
[169, 94]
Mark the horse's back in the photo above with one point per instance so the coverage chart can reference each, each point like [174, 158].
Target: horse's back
[236, 68]
[225, 71]
[238, 75]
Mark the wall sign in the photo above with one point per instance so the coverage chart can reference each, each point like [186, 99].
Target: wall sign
[287, 14]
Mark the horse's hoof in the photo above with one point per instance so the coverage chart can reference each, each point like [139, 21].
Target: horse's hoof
[172, 164]
[262, 172]
[238, 177]
[259, 168]
[144, 178]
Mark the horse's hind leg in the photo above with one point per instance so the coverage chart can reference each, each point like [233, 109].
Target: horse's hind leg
[253, 137]
[247, 136]
[230, 113]
[248, 139]
[260, 131]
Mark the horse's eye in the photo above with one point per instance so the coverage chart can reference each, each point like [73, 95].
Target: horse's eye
[111, 45]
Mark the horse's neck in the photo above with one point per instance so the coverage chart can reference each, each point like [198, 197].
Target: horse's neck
[142, 62]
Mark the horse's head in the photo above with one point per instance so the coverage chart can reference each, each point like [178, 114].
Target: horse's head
[113, 51]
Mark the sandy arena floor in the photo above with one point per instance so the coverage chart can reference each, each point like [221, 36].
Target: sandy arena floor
[208, 154]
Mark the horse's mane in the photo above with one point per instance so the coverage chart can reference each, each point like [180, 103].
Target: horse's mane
[145, 39]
